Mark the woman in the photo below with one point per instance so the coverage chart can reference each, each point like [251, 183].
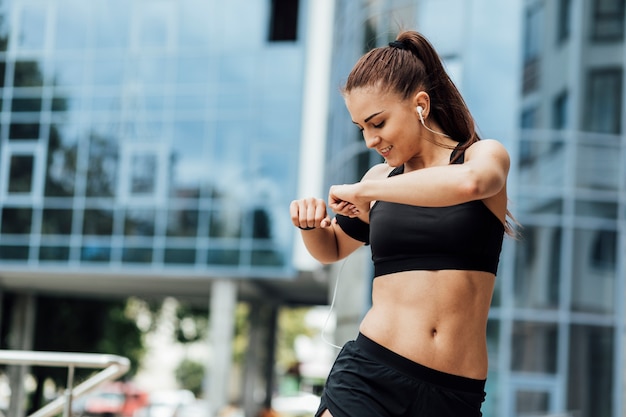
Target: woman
[435, 214]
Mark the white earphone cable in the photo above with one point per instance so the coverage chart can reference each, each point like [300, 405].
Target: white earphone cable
[332, 305]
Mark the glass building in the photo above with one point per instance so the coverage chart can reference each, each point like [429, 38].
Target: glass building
[149, 136]
[151, 148]
[557, 323]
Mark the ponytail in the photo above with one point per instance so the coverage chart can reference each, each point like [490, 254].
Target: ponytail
[410, 64]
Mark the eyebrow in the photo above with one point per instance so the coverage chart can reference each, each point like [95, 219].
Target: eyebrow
[367, 119]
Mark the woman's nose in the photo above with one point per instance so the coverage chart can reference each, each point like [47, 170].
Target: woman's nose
[371, 141]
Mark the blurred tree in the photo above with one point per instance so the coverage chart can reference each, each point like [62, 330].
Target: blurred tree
[190, 375]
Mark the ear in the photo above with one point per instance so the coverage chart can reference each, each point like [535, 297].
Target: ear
[422, 99]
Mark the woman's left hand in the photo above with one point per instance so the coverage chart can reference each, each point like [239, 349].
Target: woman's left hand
[343, 199]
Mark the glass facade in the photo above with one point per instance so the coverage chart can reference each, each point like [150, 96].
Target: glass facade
[151, 135]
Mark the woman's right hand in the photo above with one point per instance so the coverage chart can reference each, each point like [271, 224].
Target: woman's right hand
[308, 213]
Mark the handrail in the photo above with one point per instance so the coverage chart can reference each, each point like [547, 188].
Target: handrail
[114, 367]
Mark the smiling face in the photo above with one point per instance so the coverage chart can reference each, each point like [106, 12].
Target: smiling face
[390, 125]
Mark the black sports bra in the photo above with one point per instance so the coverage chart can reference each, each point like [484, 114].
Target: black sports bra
[403, 237]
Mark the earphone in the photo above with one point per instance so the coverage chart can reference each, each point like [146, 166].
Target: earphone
[420, 109]
[332, 306]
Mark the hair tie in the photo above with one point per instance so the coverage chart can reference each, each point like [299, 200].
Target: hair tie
[397, 44]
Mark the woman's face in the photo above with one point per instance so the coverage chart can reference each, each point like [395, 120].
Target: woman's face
[390, 125]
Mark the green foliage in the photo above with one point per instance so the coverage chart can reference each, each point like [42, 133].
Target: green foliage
[190, 375]
[291, 324]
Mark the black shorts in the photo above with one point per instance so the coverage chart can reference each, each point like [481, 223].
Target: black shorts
[369, 380]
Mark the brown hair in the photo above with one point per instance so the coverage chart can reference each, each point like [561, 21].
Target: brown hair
[409, 65]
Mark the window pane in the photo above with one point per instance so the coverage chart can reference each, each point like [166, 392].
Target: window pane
[223, 256]
[591, 368]
[16, 221]
[103, 166]
[596, 209]
[532, 403]
[19, 105]
[95, 251]
[137, 255]
[32, 26]
[182, 222]
[537, 263]
[179, 256]
[26, 131]
[27, 74]
[139, 223]
[542, 163]
[111, 23]
[14, 252]
[598, 166]
[56, 221]
[54, 253]
[225, 223]
[143, 178]
[594, 271]
[98, 222]
[61, 162]
[605, 104]
[21, 173]
[72, 25]
[534, 347]
[266, 257]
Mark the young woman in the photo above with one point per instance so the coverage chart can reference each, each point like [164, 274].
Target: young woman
[434, 214]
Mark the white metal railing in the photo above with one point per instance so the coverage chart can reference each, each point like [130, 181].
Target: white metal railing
[112, 366]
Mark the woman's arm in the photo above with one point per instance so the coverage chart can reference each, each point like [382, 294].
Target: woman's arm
[482, 175]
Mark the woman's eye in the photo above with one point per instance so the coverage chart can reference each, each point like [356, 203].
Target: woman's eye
[379, 125]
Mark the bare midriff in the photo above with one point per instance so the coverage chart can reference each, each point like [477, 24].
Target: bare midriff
[435, 318]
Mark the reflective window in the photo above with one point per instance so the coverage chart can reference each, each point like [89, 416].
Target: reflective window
[102, 166]
[16, 220]
[139, 222]
[183, 222]
[593, 271]
[608, 20]
[179, 256]
[21, 173]
[72, 19]
[534, 347]
[604, 104]
[590, 374]
[537, 267]
[542, 163]
[24, 131]
[56, 221]
[54, 253]
[14, 252]
[98, 222]
[598, 165]
[143, 170]
[137, 255]
[283, 20]
[61, 162]
[95, 251]
[596, 209]
[32, 26]
[111, 23]
[27, 74]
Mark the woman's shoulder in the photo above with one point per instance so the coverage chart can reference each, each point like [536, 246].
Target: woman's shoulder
[487, 146]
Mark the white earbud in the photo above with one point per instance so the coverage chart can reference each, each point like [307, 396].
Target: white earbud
[420, 109]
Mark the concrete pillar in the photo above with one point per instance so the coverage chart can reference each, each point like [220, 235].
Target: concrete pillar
[20, 338]
[221, 328]
[259, 372]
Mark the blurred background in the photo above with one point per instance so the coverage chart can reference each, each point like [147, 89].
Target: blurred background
[149, 150]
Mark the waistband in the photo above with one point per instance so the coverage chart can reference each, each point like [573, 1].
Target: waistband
[416, 370]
